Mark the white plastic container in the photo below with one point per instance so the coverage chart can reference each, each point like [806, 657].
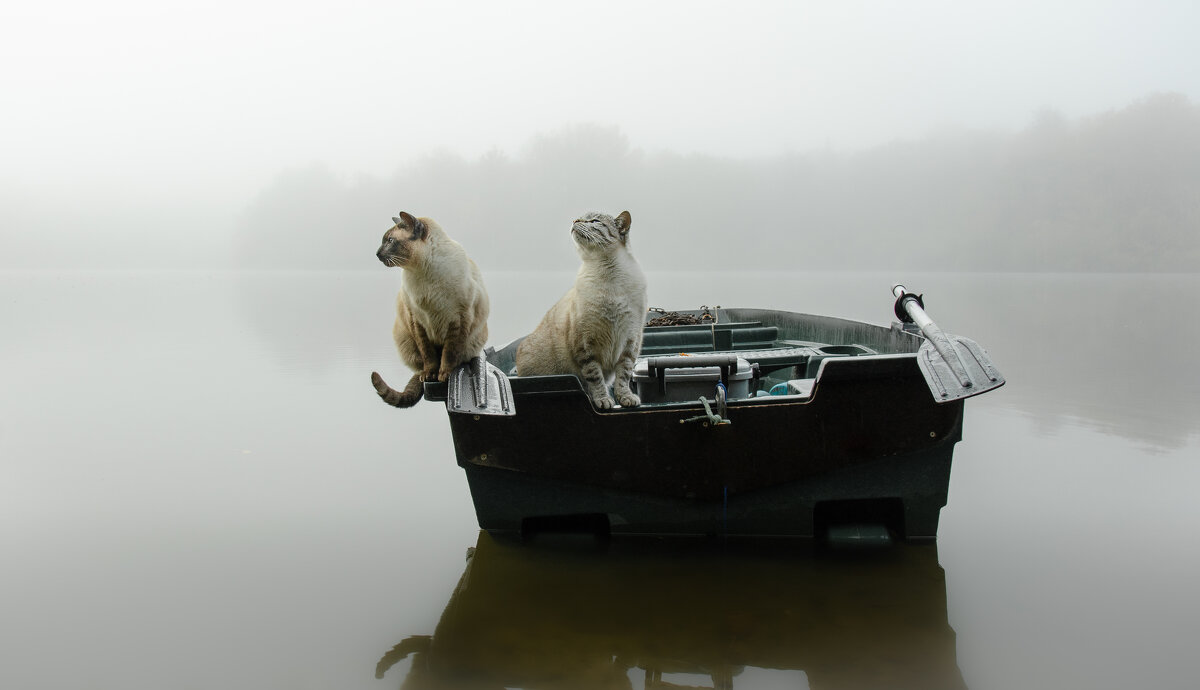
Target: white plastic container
[685, 383]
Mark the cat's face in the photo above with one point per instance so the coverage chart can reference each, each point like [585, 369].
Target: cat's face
[599, 232]
[403, 241]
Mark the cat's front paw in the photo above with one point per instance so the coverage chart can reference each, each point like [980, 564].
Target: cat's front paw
[604, 403]
[629, 400]
[431, 375]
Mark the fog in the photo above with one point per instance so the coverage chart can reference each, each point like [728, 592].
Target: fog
[928, 135]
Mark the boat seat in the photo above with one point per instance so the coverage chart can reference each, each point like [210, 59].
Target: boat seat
[774, 358]
[673, 340]
[670, 340]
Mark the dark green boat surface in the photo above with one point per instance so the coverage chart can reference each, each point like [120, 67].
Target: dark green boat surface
[829, 423]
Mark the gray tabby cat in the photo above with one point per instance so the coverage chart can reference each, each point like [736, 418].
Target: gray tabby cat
[441, 309]
[595, 330]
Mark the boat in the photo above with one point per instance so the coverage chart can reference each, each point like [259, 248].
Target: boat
[753, 423]
[638, 613]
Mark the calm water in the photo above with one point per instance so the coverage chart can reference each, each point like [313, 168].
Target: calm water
[200, 490]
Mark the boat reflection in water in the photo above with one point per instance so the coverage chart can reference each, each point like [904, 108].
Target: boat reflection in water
[655, 615]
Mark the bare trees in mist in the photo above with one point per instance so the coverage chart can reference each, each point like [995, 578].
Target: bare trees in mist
[1118, 191]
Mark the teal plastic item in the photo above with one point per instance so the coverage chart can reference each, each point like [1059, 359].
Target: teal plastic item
[779, 389]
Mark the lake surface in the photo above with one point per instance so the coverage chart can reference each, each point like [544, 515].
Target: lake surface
[200, 489]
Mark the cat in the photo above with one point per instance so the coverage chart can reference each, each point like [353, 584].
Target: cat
[441, 309]
[595, 330]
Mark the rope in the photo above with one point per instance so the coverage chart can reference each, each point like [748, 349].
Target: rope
[674, 318]
[709, 418]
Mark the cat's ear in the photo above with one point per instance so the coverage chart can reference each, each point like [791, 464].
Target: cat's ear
[623, 222]
[419, 231]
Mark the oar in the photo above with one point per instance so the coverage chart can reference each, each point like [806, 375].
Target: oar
[954, 367]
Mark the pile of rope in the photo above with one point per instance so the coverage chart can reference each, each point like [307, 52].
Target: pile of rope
[674, 318]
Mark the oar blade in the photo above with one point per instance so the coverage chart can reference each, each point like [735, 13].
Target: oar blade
[946, 382]
[478, 388]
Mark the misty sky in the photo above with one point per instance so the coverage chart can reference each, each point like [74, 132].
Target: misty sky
[134, 102]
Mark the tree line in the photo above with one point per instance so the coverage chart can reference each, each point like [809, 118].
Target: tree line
[1116, 191]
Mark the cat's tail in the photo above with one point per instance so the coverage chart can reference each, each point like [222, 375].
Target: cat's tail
[415, 645]
[407, 398]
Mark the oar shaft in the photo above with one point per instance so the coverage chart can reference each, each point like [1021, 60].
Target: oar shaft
[912, 306]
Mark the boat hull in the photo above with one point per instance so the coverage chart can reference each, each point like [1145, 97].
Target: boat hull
[869, 445]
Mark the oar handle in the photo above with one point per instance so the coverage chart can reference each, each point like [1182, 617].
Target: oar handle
[911, 309]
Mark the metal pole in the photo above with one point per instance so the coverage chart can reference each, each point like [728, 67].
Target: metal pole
[912, 306]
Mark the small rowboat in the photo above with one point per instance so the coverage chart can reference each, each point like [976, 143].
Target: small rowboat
[754, 422]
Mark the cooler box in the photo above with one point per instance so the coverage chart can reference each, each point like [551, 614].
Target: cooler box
[683, 378]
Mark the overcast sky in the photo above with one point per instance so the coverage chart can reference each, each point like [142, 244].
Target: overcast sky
[135, 99]
[268, 84]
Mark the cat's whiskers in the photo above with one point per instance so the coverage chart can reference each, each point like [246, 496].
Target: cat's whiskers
[590, 236]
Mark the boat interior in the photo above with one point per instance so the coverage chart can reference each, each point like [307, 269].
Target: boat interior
[754, 353]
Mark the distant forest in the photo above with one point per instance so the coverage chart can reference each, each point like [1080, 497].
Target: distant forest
[1118, 191]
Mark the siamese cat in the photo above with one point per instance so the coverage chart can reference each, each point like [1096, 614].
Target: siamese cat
[595, 330]
[441, 309]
